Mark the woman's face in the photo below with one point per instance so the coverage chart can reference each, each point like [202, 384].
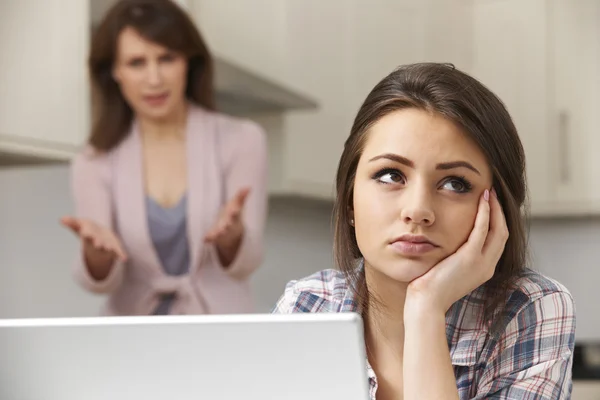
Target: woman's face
[417, 187]
[152, 78]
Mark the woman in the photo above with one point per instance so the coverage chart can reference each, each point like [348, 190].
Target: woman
[429, 186]
[170, 196]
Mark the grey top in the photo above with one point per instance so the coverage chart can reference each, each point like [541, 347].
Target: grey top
[168, 231]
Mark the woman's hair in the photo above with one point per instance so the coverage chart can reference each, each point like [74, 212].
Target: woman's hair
[159, 21]
[446, 91]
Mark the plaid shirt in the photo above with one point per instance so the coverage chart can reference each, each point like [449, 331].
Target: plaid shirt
[530, 359]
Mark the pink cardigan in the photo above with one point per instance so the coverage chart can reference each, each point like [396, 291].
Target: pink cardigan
[224, 154]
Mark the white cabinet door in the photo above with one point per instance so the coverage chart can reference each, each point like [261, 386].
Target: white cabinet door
[385, 34]
[574, 116]
[319, 60]
[510, 57]
[449, 33]
[44, 100]
[249, 33]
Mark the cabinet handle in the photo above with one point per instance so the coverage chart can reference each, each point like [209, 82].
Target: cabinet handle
[563, 147]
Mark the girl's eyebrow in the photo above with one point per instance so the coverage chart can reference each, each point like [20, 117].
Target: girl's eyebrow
[443, 166]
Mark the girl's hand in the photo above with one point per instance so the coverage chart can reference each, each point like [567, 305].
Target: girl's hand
[469, 267]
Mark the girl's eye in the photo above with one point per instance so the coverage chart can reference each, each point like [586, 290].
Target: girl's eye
[389, 176]
[138, 62]
[168, 58]
[459, 185]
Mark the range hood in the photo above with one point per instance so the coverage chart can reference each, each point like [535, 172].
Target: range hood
[241, 92]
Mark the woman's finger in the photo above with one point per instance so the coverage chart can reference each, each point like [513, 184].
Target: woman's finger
[241, 197]
[93, 244]
[213, 234]
[97, 242]
[109, 242]
[117, 248]
[232, 210]
[86, 233]
[498, 228]
[94, 236]
[71, 223]
[481, 227]
[234, 213]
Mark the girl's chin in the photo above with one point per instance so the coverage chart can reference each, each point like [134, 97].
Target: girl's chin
[406, 270]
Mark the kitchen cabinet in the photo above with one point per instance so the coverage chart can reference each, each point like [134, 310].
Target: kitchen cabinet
[249, 33]
[448, 36]
[575, 101]
[542, 58]
[44, 94]
[509, 56]
[383, 37]
[319, 60]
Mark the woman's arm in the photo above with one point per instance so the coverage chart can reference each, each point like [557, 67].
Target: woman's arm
[246, 152]
[90, 180]
[428, 372]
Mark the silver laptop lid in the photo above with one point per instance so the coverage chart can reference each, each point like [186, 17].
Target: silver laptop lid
[253, 356]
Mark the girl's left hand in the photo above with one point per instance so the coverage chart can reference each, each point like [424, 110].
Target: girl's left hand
[229, 229]
[469, 267]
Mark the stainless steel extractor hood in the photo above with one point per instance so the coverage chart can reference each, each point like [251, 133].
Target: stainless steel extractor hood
[242, 92]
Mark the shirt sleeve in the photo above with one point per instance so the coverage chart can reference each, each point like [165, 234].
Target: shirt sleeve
[285, 303]
[534, 356]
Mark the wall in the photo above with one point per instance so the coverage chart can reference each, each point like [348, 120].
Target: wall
[36, 253]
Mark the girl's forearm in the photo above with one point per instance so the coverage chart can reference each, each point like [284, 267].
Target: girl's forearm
[428, 372]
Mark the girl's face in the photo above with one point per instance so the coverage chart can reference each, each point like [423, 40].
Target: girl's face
[416, 191]
[152, 78]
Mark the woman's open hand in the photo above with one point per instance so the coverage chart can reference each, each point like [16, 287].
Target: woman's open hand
[228, 231]
[99, 243]
[469, 267]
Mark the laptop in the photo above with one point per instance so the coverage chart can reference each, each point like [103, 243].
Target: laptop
[220, 357]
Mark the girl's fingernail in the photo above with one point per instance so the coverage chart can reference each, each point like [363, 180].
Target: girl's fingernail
[486, 195]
